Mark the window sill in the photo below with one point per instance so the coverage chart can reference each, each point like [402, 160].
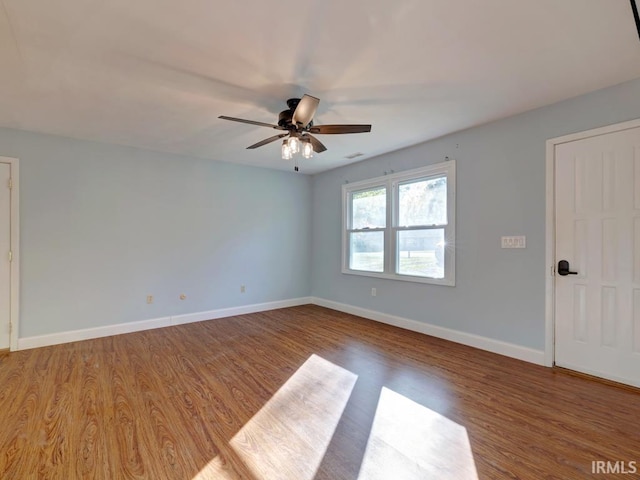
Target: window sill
[404, 278]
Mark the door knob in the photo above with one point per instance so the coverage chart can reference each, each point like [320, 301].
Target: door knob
[563, 268]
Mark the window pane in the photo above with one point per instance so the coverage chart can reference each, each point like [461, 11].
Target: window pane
[366, 251]
[369, 208]
[423, 202]
[421, 253]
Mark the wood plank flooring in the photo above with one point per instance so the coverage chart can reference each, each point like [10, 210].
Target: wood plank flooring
[250, 397]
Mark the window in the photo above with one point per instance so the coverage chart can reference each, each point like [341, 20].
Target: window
[402, 226]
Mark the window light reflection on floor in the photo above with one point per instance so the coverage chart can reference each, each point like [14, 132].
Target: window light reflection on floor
[411, 442]
[407, 441]
[298, 422]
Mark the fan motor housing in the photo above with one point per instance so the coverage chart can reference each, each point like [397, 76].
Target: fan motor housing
[285, 116]
[284, 119]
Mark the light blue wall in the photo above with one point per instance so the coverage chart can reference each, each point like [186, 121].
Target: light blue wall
[500, 191]
[103, 226]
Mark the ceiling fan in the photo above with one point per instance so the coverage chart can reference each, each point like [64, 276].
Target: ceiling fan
[297, 123]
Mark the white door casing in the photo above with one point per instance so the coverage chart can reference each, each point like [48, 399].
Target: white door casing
[5, 248]
[597, 229]
[9, 320]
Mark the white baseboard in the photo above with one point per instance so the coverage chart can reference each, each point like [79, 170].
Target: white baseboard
[233, 311]
[89, 333]
[483, 343]
[477, 341]
[120, 328]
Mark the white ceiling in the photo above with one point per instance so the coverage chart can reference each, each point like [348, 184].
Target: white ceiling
[157, 73]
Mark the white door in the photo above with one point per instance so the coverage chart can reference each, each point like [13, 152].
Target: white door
[5, 248]
[597, 309]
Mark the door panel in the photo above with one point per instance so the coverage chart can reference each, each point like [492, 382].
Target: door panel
[597, 311]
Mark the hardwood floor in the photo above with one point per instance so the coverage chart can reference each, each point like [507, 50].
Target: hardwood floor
[302, 393]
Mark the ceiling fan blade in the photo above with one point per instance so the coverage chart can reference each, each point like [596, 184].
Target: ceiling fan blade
[251, 122]
[305, 110]
[267, 140]
[318, 147]
[336, 129]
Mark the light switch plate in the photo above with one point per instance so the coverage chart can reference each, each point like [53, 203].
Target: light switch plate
[514, 242]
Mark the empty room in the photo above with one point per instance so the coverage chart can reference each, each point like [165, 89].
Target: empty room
[360, 240]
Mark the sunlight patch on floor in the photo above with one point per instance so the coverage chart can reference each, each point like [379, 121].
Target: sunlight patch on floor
[411, 442]
[216, 470]
[289, 436]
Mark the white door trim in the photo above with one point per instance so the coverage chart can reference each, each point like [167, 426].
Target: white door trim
[15, 250]
[550, 237]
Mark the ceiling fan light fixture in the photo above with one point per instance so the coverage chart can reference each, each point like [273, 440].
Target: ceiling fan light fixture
[294, 144]
[287, 154]
[307, 148]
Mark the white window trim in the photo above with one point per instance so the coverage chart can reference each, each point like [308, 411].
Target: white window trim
[391, 181]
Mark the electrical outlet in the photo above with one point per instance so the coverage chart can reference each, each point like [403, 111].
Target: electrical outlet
[374, 292]
[149, 299]
[243, 289]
